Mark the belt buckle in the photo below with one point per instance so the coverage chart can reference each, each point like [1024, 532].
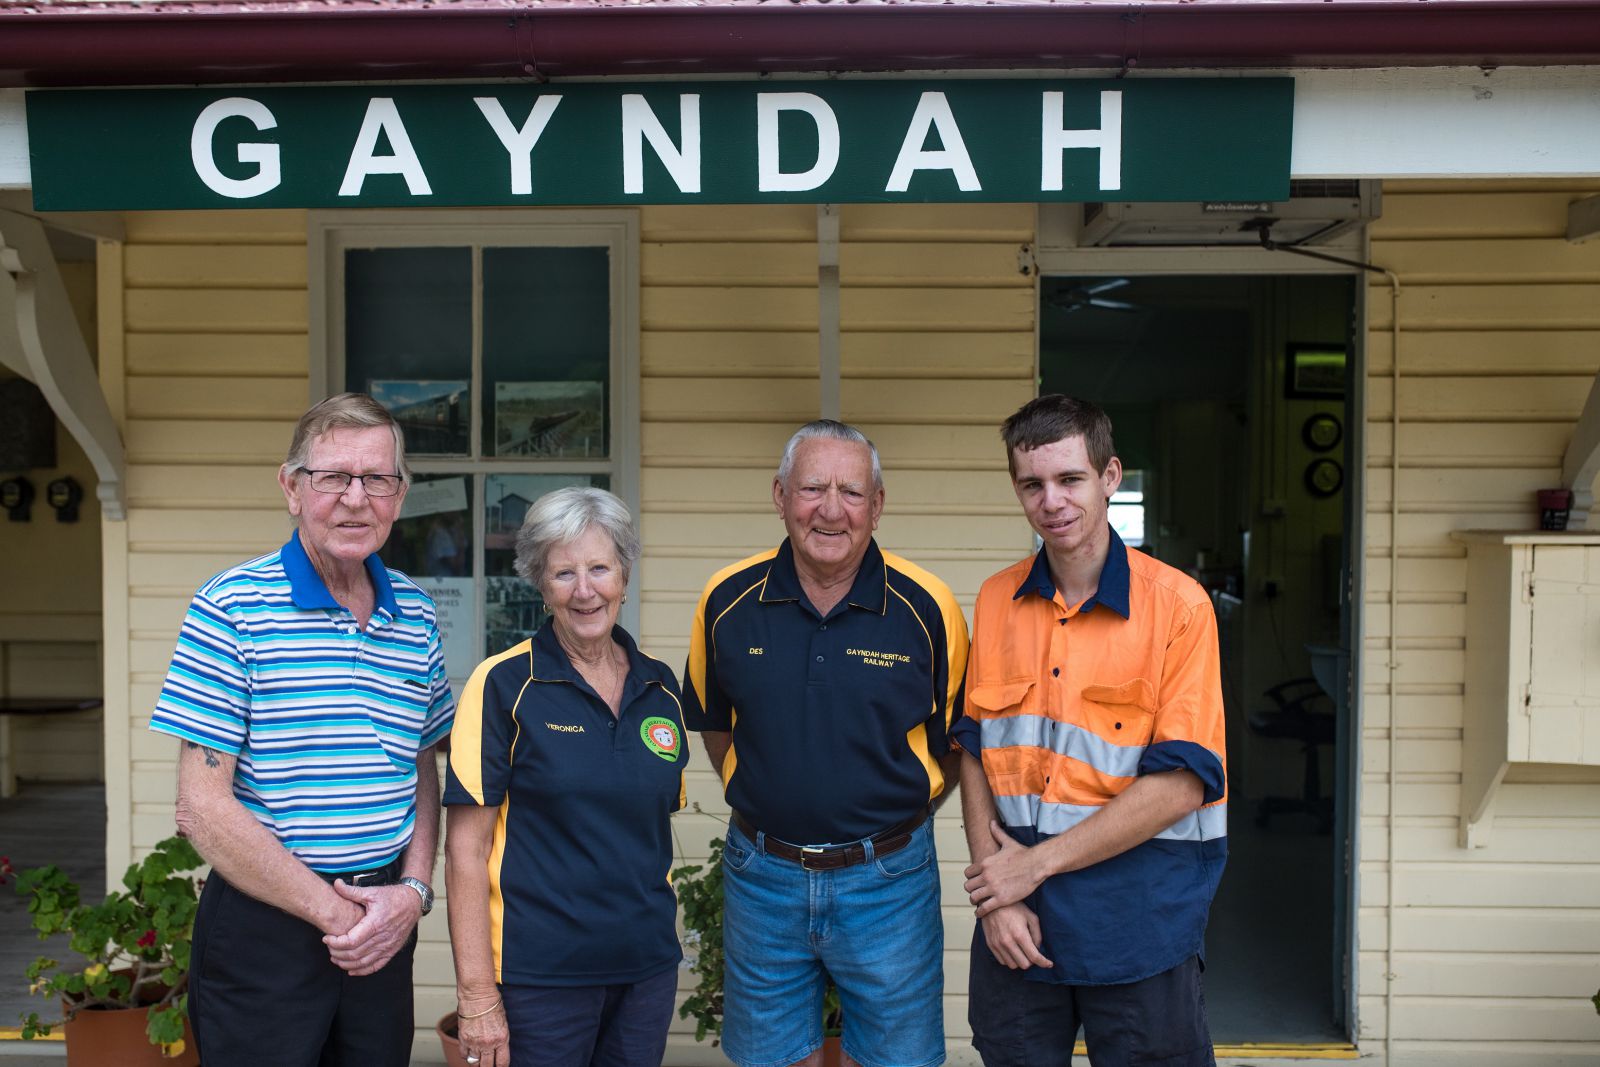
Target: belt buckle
[807, 851]
[366, 878]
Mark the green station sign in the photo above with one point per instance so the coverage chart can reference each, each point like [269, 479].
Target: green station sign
[744, 142]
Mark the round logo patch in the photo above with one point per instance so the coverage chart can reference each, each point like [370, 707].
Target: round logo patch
[661, 737]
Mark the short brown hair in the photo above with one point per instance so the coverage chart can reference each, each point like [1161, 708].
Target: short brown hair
[353, 410]
[1053, 417]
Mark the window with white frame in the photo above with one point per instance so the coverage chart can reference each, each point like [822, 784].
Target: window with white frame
[1127, 509]
[509, 354]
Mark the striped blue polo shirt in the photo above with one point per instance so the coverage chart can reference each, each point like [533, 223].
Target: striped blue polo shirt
[326, 718]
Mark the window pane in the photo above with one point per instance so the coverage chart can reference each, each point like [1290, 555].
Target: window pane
[1127, 512]
[432, 543]
[512, 607]
[546, 352]
[408, 340]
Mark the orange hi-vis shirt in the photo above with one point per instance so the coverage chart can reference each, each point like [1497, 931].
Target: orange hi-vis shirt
[1066, 706]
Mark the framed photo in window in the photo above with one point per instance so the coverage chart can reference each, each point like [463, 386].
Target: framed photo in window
[563, 419]
[432, 414]
[1315, 370]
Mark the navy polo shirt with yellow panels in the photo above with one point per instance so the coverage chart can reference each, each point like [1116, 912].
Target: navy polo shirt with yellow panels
[838, 721]
[578, 890]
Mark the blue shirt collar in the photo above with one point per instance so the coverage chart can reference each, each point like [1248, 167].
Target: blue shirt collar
[308, 590]
[1112, 590]
[870, 590]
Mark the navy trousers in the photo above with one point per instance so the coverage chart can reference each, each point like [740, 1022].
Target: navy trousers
[263, 992]
[1159, 1021]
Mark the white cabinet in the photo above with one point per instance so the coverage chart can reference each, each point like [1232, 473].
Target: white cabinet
[1533, 661]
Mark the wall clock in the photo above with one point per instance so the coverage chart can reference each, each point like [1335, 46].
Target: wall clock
[1322, 431]
[1324, 477]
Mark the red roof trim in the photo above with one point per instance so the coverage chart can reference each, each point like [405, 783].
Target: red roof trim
[187, 43]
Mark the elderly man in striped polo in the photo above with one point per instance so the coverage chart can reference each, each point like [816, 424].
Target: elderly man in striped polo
[307, 692]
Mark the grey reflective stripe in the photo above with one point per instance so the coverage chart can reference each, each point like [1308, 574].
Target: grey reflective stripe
[1017, 811]
[1058, 818]
[1064, 739]
[1207, 824]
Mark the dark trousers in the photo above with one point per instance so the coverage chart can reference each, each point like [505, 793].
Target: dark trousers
[1159, 1021]
[591, 1026]
[263, 993]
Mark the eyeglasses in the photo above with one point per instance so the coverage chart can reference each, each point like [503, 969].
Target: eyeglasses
[338, 481]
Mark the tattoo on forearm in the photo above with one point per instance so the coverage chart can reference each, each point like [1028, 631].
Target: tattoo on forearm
[211, 754]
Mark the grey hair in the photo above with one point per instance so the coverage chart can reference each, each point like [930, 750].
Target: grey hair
[563, 516]
[352, 410]
[827, 430]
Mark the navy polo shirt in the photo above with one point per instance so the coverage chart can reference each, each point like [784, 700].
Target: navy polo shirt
[578, 890]
[838, 721]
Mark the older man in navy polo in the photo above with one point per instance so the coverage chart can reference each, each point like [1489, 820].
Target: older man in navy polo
[824, 676]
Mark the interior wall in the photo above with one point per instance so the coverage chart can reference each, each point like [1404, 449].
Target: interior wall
[50, 609]
[1291, 579]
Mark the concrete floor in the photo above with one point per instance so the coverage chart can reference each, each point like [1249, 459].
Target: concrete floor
[1269, 945]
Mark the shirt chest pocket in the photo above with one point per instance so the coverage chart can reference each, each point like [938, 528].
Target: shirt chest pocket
[1123, 713]
[1005, 698]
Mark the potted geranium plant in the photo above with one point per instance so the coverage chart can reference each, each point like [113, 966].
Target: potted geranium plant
[135, 949]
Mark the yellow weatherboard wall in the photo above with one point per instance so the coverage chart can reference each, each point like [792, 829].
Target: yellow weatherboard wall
[209, 367]
[204, 352]
[937, 346]
[1494, 950]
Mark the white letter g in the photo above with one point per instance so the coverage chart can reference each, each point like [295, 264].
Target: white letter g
[262, 153]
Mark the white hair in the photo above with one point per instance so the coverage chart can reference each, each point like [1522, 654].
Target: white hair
[828, 430]
[563, 516]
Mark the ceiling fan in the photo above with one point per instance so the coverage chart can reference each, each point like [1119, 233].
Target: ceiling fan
[1078, 297]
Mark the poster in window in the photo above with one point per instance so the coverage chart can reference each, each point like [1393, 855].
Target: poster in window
[556, 419]
[452, 605]
[432, 414]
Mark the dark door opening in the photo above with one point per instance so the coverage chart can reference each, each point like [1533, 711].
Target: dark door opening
[1232, 416]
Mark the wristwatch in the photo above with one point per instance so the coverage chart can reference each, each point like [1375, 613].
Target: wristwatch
[423, 891]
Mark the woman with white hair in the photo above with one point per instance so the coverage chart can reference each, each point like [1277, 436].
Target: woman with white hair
[566, 761]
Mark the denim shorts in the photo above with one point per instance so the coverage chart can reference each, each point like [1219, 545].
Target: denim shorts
[876, 929]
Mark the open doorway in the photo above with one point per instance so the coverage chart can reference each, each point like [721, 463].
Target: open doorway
[1232, 418]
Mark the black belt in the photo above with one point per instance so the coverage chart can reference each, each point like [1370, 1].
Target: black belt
[388, 874]
[835, 857]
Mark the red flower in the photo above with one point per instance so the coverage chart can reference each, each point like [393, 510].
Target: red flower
[148, 939]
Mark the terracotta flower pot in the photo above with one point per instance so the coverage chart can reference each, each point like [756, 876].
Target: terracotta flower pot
[100, 1036]
[446, 1029]
[832, 1054]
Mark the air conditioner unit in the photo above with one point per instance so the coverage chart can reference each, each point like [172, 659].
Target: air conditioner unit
[1316, 211]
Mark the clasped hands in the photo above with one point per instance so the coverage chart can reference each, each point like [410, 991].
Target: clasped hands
[997, 885]
[388, 914]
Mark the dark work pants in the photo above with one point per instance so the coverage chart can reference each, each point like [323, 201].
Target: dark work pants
[263, 993]
[1159, 1021]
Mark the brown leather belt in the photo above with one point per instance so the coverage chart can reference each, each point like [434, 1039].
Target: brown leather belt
[835, 857]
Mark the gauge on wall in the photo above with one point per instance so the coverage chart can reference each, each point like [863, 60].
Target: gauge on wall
[1322, 431]
[1324, 477]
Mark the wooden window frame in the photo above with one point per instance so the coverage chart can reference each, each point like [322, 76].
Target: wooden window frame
[329, 234]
